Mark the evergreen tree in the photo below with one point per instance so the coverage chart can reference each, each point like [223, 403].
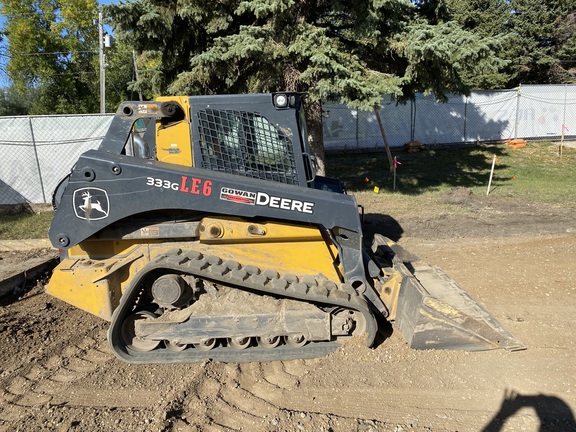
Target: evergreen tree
[487, 19]
[545, 33]
[434, 11]
[350, 51]
[537, 39]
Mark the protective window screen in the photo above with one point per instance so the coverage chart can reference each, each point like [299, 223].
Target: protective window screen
[247, 144]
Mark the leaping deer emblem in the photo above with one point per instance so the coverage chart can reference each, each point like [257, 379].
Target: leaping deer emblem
[89, 205]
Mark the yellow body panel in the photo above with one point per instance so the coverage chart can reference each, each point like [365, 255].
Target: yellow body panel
[97, 272]
[390, 290]
[74, 286]
[173, 143]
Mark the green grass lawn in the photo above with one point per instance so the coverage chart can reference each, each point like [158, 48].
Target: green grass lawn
[25, 225]
[535, 174]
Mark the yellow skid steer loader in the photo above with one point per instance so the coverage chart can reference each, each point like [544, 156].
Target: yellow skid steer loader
[200, 230]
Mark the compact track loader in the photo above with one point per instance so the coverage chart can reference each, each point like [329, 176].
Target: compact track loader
[199, 230]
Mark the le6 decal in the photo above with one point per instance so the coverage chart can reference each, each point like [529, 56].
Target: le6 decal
[192, 185]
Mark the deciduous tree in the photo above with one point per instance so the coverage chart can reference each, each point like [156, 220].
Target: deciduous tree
[13, 103]
[52, 48]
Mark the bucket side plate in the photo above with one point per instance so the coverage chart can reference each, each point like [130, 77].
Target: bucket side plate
[434, 312]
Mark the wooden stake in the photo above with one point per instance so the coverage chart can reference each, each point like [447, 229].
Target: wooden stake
[388, 152]
[395, 164]
[562, 141]
[491, 174]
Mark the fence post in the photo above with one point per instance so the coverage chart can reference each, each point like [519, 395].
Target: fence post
[37, 159]
[412, 115]
[357, 117]
[466, 119]
[412, 118]
[564, 108]
[517, 110]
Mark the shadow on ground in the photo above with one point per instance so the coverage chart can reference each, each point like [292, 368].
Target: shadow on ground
[419, 172]
[554, 414]
[375, 223]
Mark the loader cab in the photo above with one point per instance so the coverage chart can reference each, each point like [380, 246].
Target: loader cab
[261, 136]
[258, 135]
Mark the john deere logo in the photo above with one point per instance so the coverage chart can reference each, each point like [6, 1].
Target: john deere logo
[91, 203]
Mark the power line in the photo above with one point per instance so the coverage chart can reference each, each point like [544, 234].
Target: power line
[50, 75]
[46, 53]
[40, 13]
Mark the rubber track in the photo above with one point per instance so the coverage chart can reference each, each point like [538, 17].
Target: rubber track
[308, 288]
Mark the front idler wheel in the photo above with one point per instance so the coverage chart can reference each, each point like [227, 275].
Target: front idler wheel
[128, 333]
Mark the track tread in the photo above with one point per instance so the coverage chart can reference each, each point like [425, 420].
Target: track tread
[315, 289]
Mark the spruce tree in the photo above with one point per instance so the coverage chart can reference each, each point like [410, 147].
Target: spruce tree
[537, 40]
[352, 52]
[545, 34]
[490, 20]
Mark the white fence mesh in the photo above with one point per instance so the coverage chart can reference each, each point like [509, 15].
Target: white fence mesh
[38, 151]
[534, 112]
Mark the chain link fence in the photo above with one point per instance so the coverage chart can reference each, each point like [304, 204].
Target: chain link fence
[532, 112]
[39, 151]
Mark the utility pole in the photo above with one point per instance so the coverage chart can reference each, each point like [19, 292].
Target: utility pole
[102, 65]
[136, 72]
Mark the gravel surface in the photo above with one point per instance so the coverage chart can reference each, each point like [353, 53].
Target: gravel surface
[58, 374]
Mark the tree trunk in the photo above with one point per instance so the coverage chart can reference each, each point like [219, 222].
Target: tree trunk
[316, 135]
[313, 118]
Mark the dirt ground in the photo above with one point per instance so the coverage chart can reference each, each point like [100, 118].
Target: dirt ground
[57, 373]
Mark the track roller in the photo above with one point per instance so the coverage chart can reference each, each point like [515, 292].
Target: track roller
[295, 341]
[269, 341]
[175, 346]
[205, 345]
[239, 343]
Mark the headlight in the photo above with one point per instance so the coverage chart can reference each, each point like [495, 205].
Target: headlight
[280, 101]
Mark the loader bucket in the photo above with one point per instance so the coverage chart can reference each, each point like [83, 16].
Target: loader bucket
[433, 312]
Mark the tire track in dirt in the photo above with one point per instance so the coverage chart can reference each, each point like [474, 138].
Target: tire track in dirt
[283, 385]
[221, 397]
[211, 400]
[263, 394]
[51, 357]
[48, 381]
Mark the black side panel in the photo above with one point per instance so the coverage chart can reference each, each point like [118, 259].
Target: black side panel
[105, 188]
